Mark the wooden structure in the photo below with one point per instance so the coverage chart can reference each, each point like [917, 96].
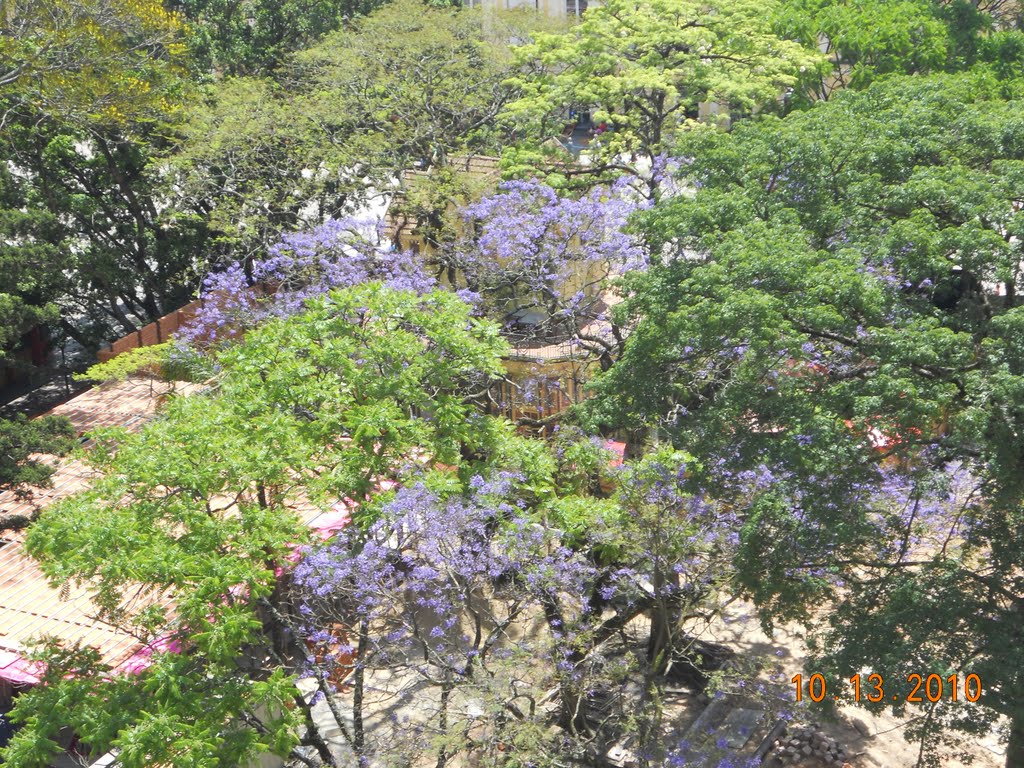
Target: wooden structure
[156, 332]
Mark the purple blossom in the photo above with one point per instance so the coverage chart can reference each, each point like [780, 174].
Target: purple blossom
[337, 254]
[543, 261]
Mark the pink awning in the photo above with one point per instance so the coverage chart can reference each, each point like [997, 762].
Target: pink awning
[16, 669]
[143, 658]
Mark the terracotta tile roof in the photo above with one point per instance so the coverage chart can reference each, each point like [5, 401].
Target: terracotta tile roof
[126, 404]
[478, 165]
[29, 607]
[70, 477]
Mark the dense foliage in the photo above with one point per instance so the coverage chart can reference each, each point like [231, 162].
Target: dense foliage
[802, 318]
[20, 443]
[209, 514]
[85, 60]
[837, 307]
[643, 68]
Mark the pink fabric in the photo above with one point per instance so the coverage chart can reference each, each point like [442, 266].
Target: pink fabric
[330, 523]
[325, 526]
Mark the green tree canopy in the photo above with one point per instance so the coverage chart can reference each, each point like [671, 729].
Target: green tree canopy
[643, 68]
[865, 40]
[32, 259]
[835, 322]
[408, 85]
[252, 160]
[90, 90]
[256, 36]
[413, 84]
[129, 256]
[319, 406]
[20, 439]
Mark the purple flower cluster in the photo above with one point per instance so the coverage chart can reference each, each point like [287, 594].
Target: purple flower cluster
[431, 567]
[533, 249]
[337, 254]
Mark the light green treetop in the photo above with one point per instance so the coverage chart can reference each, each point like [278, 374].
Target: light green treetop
[643, 68]
[199, 508]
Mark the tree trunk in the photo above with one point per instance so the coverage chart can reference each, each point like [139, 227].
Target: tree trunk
[358, 690]
[573, 714]
[650, 713]
[443, 754]
[636, 441]
[1015, 747]
[315, 740]
[75, 334]
[664, 618]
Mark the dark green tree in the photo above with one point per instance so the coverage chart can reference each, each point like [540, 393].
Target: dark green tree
[132, 257]
[33, 257]
[834, 330]
[255, 37]
[20, 438]
[90, 90]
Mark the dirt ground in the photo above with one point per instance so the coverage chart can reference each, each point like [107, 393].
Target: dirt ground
[868, 741]
[873, 742]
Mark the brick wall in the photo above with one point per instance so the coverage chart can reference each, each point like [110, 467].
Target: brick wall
[156, 332]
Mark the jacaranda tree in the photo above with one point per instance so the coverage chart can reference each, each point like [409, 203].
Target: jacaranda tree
[190, 519]
[544, 263]
[341, 253]
[835, 310]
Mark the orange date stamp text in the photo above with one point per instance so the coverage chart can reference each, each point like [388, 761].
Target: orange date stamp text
[916, 689]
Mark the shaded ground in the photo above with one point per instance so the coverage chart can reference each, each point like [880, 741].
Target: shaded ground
[872, 741]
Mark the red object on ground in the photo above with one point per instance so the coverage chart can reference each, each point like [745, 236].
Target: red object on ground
[619, 449]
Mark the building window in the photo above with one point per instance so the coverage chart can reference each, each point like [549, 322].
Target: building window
[575, 7]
